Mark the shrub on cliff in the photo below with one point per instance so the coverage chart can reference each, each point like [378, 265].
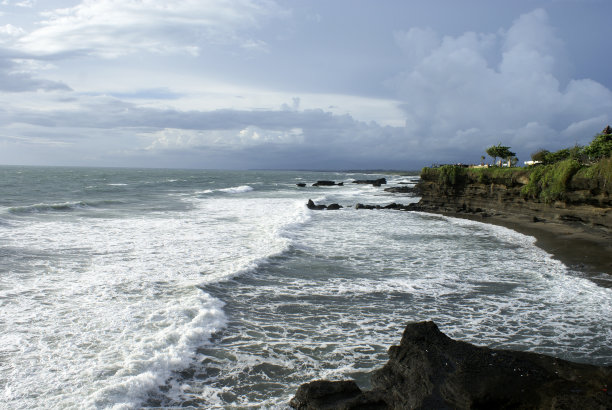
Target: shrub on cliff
[600, 147]
[601, 170]
[540, 155]
[550, 182]
[444, 175]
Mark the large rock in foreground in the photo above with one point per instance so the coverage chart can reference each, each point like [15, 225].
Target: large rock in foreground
[429, 370]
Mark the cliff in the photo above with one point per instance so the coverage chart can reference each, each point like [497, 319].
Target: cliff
[564, 193]
[429, 370]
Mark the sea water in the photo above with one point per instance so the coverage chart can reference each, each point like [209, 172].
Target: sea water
[128, 288]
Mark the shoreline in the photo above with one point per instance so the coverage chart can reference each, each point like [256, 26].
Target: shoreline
[581, 249]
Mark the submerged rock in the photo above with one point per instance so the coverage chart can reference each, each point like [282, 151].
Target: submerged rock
[429, 370]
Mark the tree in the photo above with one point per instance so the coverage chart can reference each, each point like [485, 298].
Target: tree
[500, 151]
[540, 155]
[601, 146]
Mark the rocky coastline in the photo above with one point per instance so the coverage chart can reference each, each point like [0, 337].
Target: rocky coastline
[429, 370]
[577, 230]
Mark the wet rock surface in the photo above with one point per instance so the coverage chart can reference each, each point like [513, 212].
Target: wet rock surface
[429, 370]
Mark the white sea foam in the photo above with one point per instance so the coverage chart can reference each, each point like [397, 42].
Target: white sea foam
[230, 190]
[100, 312]
[237, 189]
[116, 308]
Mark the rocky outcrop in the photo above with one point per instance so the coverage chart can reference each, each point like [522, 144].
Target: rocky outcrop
[320, 207]
[429, 370]
[375, 182]
[401, 190]
[393, 205]
[587, 200]
[328, 183]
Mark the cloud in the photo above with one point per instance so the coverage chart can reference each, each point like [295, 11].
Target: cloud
[458, 95]
[8, 32]
[111, 28]
[13, 78]
[93, 127]
[465, 93]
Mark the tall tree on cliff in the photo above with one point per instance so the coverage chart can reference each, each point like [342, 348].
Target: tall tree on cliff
[499, 151]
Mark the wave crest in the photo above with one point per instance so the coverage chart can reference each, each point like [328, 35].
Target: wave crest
[58, 207]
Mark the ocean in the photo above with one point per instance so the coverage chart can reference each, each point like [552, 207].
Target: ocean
[131, 288]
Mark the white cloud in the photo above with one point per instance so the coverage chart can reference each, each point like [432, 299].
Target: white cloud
[22, 3]
[185, 139]
[467, 92]
[111, 28]
[8, 31]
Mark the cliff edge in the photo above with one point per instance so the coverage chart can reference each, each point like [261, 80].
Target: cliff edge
[579, 198]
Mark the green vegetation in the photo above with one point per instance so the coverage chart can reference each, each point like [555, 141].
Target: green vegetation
[547, 182]
[454, 174]
[500, 151]
[599, 148]
[550, 182]
[546, 157]
[601, 170]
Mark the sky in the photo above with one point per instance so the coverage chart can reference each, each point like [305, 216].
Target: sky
[296, 84]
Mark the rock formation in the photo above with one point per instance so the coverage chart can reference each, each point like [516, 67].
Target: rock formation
[401, 190]
[587, 200]
[375, 182]
[429, 370]
[320, 207]
[327, 183]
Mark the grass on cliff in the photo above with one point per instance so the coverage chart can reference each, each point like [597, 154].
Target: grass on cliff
[454, 174]
[600, 170]
[547, 183]
[550, 182]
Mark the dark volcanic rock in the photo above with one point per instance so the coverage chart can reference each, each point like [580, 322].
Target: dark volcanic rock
[320, 393]
[327, 183]
[331, 207]
[362, 206]
[401, 190]
[301, 184]
[375, 182]
[312, 205]
[429, 370]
